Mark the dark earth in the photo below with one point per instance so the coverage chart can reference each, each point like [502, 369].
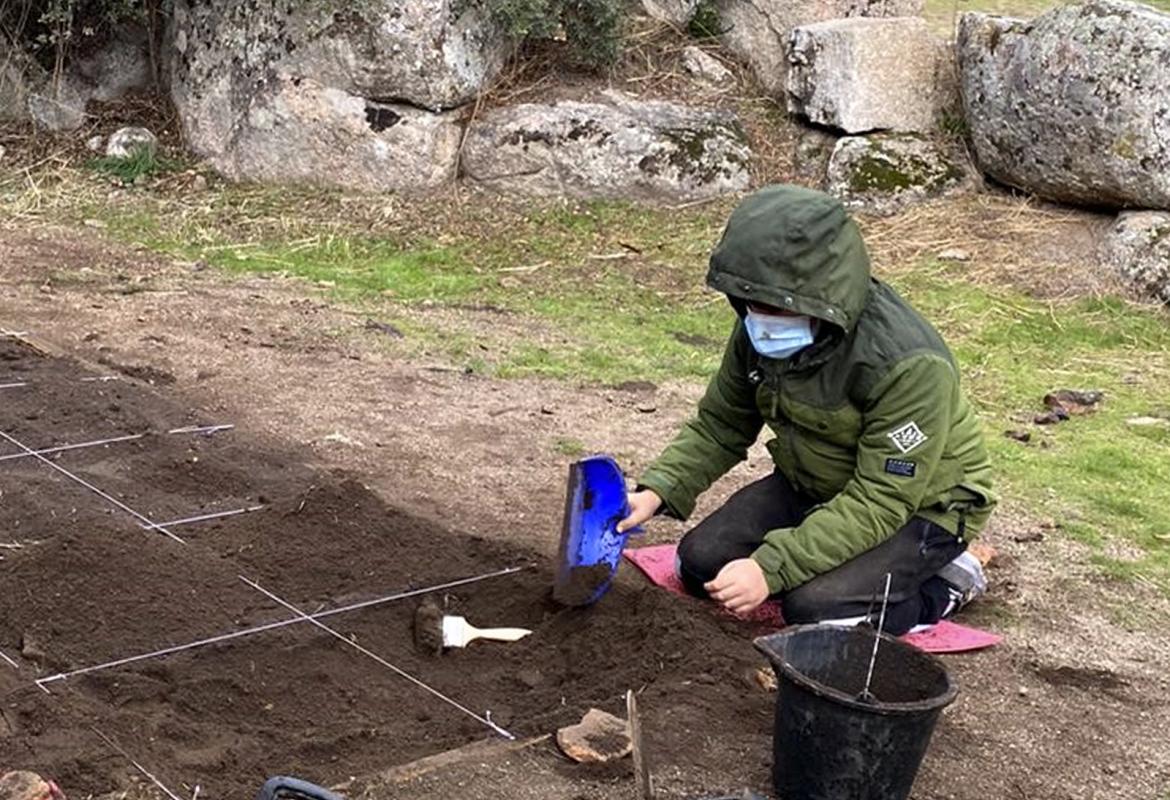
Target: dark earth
[90, 584]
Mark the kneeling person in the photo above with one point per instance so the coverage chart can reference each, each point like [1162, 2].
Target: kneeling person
[880, 465]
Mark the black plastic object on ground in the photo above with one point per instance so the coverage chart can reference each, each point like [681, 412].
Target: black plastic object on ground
[827, 743]
[285, 788]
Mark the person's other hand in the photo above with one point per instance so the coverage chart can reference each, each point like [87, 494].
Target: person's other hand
[643, 505]
[740, 586]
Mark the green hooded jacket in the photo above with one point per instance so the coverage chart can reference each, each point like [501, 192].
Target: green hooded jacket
[869, 420]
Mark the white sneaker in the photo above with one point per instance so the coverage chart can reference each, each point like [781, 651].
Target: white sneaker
[965, 580]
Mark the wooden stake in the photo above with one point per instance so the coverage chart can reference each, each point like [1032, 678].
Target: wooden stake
[641, 767]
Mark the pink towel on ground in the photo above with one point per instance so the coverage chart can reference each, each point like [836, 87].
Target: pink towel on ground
[657, 561]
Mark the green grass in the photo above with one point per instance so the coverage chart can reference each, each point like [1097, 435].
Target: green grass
[572, 448]
[1097, 475]
[610, 292]
[141, 162]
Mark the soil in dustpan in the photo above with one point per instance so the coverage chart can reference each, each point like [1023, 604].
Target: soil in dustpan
[89, 584]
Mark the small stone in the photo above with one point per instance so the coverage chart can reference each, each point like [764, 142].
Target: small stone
[28, 786]
[646, 408]
[985, 553]
[1022, 691]
[599, 738]
[954, 254]
[502, 715]
[31, 648]
[1050, 417]
[95, 144]
[704, 66]
[766, 679]
[530, 677]
[1147, 422]
[342, 439]
[548, 410]
[94, 223]
[199, 184]
[1019, 435]
[128, 142]
[383, 327]
[1029, 536]
[1074, 401]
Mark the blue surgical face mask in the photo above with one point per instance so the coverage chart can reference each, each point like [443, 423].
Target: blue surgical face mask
[778, 337]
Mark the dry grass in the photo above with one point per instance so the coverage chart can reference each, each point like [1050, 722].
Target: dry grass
[1044, 250]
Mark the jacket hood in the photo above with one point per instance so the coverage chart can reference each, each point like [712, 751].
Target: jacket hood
[796, 249]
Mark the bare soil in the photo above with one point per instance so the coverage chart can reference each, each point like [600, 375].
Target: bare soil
[411, 473]
[91, 586]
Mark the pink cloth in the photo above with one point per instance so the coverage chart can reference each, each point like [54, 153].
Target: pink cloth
[657, 562]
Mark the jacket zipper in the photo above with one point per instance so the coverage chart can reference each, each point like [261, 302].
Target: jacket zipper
[791, 431]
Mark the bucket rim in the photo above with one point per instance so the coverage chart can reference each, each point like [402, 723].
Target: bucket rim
[790, 672]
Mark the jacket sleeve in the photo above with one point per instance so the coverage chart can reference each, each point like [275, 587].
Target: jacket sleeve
[904, 434]
[715, 439]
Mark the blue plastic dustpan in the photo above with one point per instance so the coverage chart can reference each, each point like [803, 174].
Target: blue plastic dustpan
[591, 547]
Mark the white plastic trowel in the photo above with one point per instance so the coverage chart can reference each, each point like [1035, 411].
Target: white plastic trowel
[458, 632]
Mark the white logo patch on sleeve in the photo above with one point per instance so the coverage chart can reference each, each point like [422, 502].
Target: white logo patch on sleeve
[907, 437]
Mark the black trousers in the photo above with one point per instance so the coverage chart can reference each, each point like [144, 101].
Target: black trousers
[911, 556]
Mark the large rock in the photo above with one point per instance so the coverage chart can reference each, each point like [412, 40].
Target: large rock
[59, 108]
[271, 90]
[620, 148]
[885, 173]
[18, 74]
[122, 65]
[758, 31]
[1073, 106]
[103, 73]
[1138, 248]
[811, 150]
[861, 74]
[308, 133]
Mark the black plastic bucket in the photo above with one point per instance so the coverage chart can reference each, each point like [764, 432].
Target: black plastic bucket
[827, 744]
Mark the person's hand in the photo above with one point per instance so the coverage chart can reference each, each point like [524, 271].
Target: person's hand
[740, 586]
[643, 505]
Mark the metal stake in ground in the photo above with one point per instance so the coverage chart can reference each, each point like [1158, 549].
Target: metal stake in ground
[485, 720]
